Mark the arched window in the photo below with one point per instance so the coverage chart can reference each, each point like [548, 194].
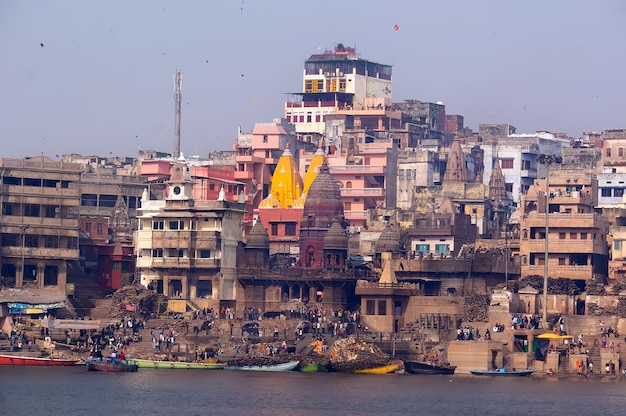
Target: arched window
[525, 234]
[349, 184]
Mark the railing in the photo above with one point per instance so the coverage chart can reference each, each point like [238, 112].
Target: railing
[356, 214]
[358, 169]
[363, 192]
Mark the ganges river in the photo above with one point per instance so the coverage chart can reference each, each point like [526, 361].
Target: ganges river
[75, 391]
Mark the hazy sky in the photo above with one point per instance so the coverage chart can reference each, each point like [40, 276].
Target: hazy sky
[102, 81]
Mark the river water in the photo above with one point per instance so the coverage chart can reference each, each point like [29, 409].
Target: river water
[75, 391]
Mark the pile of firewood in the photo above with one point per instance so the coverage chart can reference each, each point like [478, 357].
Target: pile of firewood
[348, 354]
[255, 360]
[476, 307]
[140, 301]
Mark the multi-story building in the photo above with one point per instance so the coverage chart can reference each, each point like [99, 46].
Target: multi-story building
[188, 247]
[577, 235]
[39, 221]
[337, 80]
[614, 150]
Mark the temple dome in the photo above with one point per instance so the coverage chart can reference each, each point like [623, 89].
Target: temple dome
[388, 241]
[323, 203]
[336, 238]
[269, 202]
[258, 237]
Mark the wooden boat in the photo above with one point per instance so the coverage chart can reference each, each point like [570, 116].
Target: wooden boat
[110, 365]
[289, 366]
[385, 369]
[502, 372]
[313, 368]
[413, 367]
[179, 365]
[6, 359]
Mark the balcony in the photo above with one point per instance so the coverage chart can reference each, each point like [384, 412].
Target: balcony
[564, 246]
[41, 253]
[565, 221]
[358, 170]
[568, 272]
[363, 192]
[356, 214]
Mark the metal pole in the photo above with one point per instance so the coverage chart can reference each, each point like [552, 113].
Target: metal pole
[545, 261]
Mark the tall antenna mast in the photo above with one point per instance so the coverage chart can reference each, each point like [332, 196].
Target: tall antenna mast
[178, 96]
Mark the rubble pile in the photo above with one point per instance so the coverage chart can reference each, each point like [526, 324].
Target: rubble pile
[348, 354]
[621, 307]
[476, 307]
[135, 300]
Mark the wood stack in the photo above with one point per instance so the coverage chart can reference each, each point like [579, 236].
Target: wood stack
[476, 307]
[348, 355]
[142, 300]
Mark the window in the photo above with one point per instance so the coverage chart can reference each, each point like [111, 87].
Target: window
[31, 240]
[382, 307]
[606, 192]
[442, 249]
[157, 252]
[561, 236]
[9, 208]
[88, 227]
[309, 117]
[274, 229]
[51, 241]
[177, 225]
[369, 309]
[401, 174]
[608, 152]
[583, 236]
[573, 236]
[561, 261]
[620, 152]
[265, 138]
[158, 225]
[116, 266]
[617, 244]
[204, 254]
[50, 211]
[290, 229]
[31, 210]
[10, 240]
[506, 163]
[99, 226]
[424, 249]
[342, 85]
[618, 192]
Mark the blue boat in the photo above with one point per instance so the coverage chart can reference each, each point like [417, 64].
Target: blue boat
[502, 372]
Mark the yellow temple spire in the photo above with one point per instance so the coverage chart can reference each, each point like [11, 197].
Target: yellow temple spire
[316, 162]
[286, 184]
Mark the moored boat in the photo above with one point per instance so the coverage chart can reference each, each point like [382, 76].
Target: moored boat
[313, 368]
[6, 359]
[502, 372]
[288, 366]
[179, 365]
[413, 367]
[385, 369]
[112, 365]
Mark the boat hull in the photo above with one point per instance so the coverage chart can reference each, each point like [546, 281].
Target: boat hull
[413, 367]
[291, 365]
[499, 373]
[378, 370]
[174, 365]
[313, 368]
[46, 362]
[117, 366]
